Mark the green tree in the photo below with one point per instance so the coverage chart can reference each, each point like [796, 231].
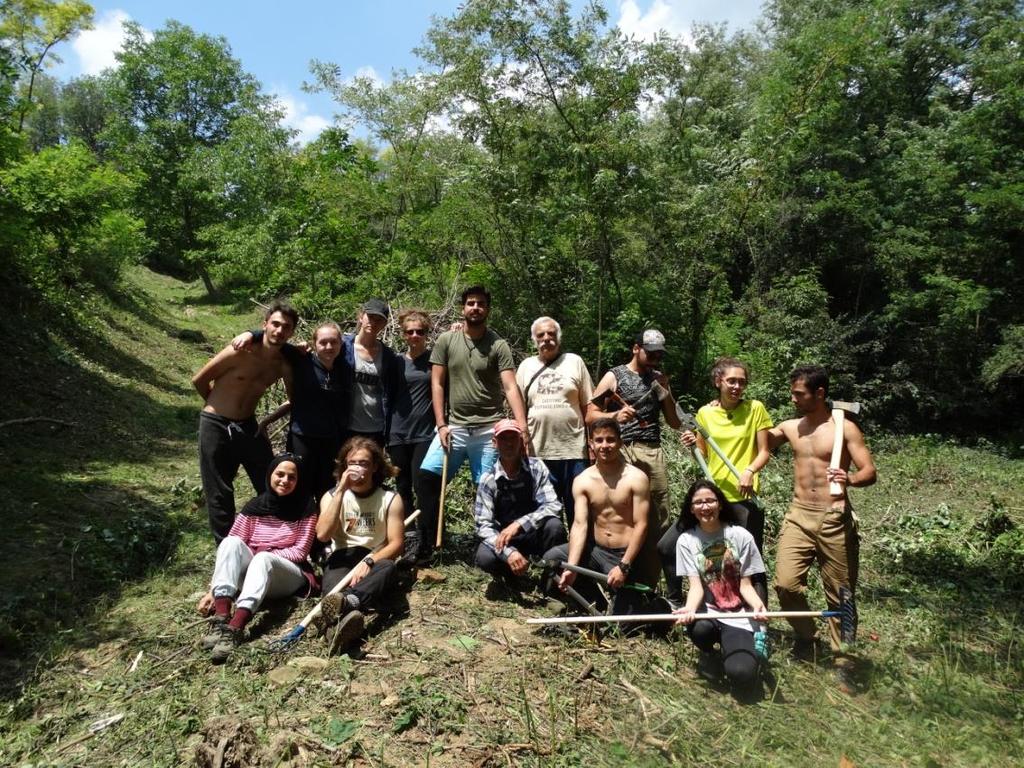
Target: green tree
[175, 98]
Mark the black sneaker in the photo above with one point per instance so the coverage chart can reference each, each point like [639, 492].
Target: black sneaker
[347, 632]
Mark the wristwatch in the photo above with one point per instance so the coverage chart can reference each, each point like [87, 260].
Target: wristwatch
[369, 561]
[624, 567]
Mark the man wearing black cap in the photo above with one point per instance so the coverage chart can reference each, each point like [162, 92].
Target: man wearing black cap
[634, 394]
[375, 373]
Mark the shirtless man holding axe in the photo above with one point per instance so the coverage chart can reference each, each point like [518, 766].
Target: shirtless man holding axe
[820, 524]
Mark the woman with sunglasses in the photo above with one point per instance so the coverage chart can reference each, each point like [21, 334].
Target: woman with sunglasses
[264, 555]
[740, 428]
[718, 559]
[366, 524]
[412, 425]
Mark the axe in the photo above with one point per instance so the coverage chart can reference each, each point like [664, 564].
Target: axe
[839, 411]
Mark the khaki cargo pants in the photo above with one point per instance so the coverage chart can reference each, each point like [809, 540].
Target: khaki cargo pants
[649, 458]
[816, 533]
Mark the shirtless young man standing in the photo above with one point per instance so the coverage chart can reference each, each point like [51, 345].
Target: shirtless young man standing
[231, 384]
[614, 497]
[819, 527]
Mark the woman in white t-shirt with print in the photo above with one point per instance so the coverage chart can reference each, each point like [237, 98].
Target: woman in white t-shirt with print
[718, 558]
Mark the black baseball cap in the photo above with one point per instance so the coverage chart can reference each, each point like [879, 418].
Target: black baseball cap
[377, 307]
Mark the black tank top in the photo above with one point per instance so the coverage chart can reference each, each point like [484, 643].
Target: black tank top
[632, 387]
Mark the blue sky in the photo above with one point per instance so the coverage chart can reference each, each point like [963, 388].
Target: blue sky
[275, 41]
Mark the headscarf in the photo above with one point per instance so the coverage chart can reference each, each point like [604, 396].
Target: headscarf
[295, 506]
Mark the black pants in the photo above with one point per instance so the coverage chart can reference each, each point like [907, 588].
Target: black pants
[224, 446]
[380, 578]
[749, 516]
[407, 457]
[318, 456]
[602, 559]
[738, 655]
[538, 541]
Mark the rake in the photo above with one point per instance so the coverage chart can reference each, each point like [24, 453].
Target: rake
[288, 641]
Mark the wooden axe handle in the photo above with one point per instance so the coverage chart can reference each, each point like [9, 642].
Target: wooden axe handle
[839, 418]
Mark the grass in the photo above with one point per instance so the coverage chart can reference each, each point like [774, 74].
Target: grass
[105, 554]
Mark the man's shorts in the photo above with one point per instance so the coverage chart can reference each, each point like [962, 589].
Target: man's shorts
[474, 443]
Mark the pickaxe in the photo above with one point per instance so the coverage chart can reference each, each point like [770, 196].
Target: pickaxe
[839, 411]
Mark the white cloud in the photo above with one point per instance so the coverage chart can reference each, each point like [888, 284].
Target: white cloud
[96, 47]
[298, 116]
[370, 73]
[662, 15]
[677, 17]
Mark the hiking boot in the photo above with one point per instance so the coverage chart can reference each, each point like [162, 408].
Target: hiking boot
[710, 667]
[228, 641]
[347, 632]
[845, 678]
[332, 608]
[217, 623]
[805, 649]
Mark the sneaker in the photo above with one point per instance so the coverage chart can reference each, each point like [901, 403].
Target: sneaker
[348, 630]
[217, 623]
[710, 667]
[228, 641]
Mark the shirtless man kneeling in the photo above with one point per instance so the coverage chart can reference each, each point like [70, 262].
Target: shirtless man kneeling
[615, 498]
[819, 527]
[231, 385]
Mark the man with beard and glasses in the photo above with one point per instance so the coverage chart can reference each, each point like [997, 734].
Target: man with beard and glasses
[473, 374]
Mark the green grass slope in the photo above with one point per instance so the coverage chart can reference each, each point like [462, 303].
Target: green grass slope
[104, 554]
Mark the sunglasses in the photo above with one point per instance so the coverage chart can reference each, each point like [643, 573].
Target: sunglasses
[415, 332]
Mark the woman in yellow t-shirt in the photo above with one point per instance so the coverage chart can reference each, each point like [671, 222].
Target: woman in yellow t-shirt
[740, 428]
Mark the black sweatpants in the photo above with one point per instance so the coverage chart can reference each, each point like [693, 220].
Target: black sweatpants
[224, 446]
[602, 559]
[369, 591]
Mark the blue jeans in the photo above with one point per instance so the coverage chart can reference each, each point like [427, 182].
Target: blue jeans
[473, 443]
[563, 472]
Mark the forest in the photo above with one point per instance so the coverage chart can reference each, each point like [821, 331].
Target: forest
[842, 184]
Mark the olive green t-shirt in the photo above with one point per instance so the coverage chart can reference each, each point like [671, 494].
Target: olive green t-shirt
[474, 368]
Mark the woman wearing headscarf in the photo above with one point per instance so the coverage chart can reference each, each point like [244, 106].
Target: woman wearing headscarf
[264, 555]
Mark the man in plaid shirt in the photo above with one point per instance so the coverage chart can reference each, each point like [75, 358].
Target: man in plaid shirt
[517, 510]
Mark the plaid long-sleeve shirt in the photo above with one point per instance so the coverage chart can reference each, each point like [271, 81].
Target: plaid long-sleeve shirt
[545, 503]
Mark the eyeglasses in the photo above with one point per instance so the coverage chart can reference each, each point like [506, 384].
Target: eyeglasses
[363, 464]
[705, 502]
[415, 332]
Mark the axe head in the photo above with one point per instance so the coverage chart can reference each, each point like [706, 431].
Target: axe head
[851, 408]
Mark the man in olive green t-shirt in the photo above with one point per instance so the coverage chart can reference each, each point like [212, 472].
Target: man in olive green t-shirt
[477, 367]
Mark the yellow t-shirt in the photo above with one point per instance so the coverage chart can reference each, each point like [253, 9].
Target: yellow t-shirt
[735, 432]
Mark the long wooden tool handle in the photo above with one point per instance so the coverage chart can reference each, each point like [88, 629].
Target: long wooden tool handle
[839, 417]
[315, 611]
[440, 511]
[619, 619]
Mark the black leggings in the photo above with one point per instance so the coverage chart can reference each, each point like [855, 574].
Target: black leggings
[407, 458]
[738, 656]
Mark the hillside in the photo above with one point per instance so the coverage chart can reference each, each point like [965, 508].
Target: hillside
[105, 552]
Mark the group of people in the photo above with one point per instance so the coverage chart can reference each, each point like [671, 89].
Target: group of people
[577, 476]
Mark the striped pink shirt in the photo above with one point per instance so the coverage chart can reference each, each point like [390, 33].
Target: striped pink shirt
[290, 540]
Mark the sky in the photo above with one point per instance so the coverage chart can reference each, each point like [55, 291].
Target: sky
[275, 41]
